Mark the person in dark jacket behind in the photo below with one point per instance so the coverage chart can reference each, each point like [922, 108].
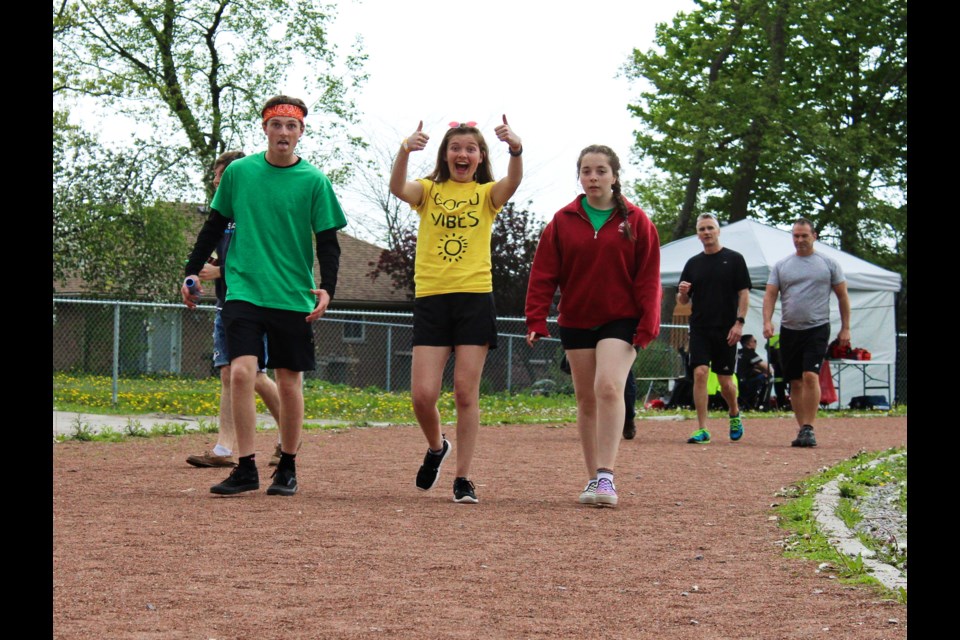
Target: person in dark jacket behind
[604, 255]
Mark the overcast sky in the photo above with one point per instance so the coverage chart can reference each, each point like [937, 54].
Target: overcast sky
[551, 67]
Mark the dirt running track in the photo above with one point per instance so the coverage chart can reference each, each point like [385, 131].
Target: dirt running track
[142, 550]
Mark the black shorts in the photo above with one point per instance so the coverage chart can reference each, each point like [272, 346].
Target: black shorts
[452, 319]
[289, 334]
[803, 350]
[709, 347]
[623, 329]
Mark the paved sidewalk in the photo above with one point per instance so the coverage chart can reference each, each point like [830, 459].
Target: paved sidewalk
[65, 422]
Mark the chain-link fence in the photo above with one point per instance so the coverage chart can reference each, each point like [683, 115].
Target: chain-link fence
[355, 348]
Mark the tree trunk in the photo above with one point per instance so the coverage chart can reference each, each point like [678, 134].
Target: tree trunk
[775, 27]
[684, 225]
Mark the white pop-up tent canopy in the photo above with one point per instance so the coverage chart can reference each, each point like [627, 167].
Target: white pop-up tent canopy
[871, 289]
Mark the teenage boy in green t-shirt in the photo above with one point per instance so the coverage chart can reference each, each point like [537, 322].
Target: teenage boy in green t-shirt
[279, 203]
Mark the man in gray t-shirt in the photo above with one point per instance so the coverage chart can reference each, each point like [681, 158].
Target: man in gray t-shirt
[804, 281]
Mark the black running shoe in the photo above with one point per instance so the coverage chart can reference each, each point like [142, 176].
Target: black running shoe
[805, 437]
[284, 483]
[629, 429]
[463, 491]
[240, 480]
[429, 471]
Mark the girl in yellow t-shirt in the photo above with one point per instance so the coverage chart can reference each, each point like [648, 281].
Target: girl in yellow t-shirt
[454, 310]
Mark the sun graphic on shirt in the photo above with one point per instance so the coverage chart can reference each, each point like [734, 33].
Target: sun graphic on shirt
[452, 247]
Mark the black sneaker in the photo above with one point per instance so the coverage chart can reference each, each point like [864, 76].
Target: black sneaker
[463, 491]
[284, 483]
[240, 480]
[429, 471]
[805, 437]
[629, 429]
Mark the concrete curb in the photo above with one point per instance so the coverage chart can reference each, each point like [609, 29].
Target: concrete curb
[846, 541]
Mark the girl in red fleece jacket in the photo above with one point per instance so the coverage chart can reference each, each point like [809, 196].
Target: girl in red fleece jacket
[604, 255]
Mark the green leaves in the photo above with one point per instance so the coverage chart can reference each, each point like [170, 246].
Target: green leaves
[775, 109]
[108, 227]
[198, 72]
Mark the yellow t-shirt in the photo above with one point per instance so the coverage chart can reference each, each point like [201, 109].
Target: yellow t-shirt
[453, 240]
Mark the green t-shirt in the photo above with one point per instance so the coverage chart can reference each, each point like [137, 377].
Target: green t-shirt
[277, 211]
[597, 217]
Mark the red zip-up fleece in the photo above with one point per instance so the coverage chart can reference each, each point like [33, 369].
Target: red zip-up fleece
[602, 275]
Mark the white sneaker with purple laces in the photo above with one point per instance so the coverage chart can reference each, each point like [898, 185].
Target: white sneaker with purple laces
[606, 495]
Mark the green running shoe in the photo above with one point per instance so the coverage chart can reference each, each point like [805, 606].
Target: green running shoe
[736, 427]
[700, 436]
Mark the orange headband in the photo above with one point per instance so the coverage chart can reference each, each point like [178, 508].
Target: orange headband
[284, 111]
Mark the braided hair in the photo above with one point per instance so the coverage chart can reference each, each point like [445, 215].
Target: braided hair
[619, 204]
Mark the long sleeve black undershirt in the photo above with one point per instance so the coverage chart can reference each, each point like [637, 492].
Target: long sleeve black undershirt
[328, 255]
[207, 240]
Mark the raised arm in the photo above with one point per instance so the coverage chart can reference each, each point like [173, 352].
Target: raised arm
[408, 191]
[507, 186]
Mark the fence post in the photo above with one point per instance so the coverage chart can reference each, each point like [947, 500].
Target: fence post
[509, 363]
[116, 349]
[389, 351]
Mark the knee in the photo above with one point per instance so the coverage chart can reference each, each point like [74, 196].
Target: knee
[607, 391]
[811, 379]
[465, 398]
[289, 390]
[587, 405]
[422, 400]
[241, 376]
[701, 373]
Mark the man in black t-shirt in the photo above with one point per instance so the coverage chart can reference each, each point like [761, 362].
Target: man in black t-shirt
[718, 284]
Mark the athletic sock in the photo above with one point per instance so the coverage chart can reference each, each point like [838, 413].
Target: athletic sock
[247, 462]
[604, 473]
[221, 450]
[287, 461]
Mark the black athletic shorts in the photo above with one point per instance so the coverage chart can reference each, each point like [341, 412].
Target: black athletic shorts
[709, 346]
[803, 350]
[288, 332]
[451, 319]
[623, 329]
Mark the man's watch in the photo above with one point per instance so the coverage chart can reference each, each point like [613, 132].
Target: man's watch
[741, 320]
